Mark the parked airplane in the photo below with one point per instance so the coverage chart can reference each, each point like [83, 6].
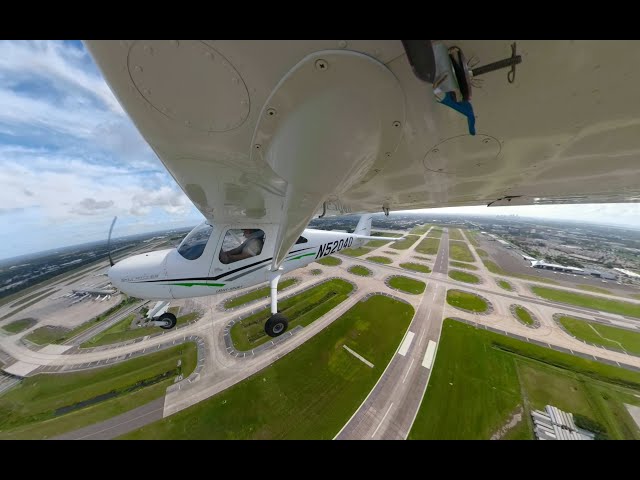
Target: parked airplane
[264, 135]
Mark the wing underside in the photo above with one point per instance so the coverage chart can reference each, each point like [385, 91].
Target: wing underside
[280, 131]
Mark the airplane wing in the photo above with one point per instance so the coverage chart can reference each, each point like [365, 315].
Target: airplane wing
[279, 131]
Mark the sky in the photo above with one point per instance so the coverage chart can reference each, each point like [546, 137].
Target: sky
[70, 160]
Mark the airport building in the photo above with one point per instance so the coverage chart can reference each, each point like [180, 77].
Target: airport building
[554, 424]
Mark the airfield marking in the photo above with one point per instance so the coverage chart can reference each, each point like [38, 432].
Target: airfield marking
[359, 357]
[381, 421]
[408, 370]
[430, 353]
[406, 344]
[122, 423]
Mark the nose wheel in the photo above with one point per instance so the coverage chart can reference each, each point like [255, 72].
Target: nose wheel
[276, 325]
[167, 321]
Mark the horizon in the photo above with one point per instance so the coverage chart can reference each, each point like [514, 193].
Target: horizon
[71, 160]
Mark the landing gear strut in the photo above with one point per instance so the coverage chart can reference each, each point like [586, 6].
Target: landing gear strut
[277, 323]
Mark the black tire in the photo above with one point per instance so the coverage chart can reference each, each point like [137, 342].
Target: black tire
[170, 318]
[276, 325]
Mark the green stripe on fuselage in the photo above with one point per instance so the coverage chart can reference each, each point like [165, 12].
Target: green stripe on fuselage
[301, 256]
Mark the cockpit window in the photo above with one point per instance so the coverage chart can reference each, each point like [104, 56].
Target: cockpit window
[193, 244]
[240, 244]
[301, 240]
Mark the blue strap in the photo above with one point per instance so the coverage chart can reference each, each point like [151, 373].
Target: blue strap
[464, 107]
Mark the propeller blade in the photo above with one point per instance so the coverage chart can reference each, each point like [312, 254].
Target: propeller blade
[109, 241]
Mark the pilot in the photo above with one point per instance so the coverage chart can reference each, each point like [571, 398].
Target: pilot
[251, 247]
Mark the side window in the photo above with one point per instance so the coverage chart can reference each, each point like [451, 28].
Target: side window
[302, 240]
[239, 244]
[193, 244]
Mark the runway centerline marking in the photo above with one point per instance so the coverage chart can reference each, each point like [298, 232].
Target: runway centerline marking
[408, 370]
[382, 421]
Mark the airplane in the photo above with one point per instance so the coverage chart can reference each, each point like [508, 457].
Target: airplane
[263, 136]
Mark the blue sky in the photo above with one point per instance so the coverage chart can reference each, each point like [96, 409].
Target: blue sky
[70, 159]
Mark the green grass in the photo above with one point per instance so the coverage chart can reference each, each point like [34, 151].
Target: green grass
[408, 285]
[27, 305]
[329, 261]
[416, 267]
[524, 316]
[463, 276]
[471, 235]
[435, 233]
[386, 234]
[301, 309]
[308, 394]
[28, 410]
[454, 234]
[378, 259]
[468, 266]
[428, 246]
[360, 270]
[387, 252]
[591, 288]
[605, 335]
[256, 294]
[19, 325]
[460, 251]
[481, 378]
[482, 253]
[425, 259]
[31, 297]
[406, 243]
[376, 243]
[588, 301]
[315, 271]
[420, 229]
[47, 334]
[468, 301]
[505, 285]
[122, 331]
[636, 296]
[356, 252]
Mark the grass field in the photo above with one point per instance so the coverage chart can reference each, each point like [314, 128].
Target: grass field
[406, 243]
[524, 316]
[416, 267]
[592, 288]
[355, 252]
[359, 270]
[329, 261]
[454, 234]
[428, 246]
[482, 253]
[480, 379]
[376, 243]
[256, 294]
[468, 301]
[29, 410]
[505, 285]
[386, 234]
[636, 296]
[460, 251]
[463, 276]
[123, 331]
[588, 301]
[308, 394]
[471, 235]
[604, 335]
[378, 259]
[435, 232]
[47, 334]
[387, 252]
[19, 325]
[468, 266]
[408, 285]
[315, 271]
[301, 309]
[420, 229]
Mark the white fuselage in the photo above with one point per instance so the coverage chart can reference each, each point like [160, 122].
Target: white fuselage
[165, 274]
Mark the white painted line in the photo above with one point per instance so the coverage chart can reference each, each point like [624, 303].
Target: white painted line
[359, 357]
[428, 356]
[404, 348]
[422, 337]
[408, 370]
[385, 416]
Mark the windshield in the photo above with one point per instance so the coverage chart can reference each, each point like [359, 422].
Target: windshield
[193, 244]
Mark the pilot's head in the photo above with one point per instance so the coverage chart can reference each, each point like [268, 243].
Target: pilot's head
[248, 231]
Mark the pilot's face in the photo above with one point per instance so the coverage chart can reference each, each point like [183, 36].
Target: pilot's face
[247, 232]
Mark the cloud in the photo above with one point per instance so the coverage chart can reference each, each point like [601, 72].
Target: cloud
[91, 206]
[171, 200]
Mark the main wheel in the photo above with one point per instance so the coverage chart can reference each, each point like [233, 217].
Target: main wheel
[170, 318]
[276, 325]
